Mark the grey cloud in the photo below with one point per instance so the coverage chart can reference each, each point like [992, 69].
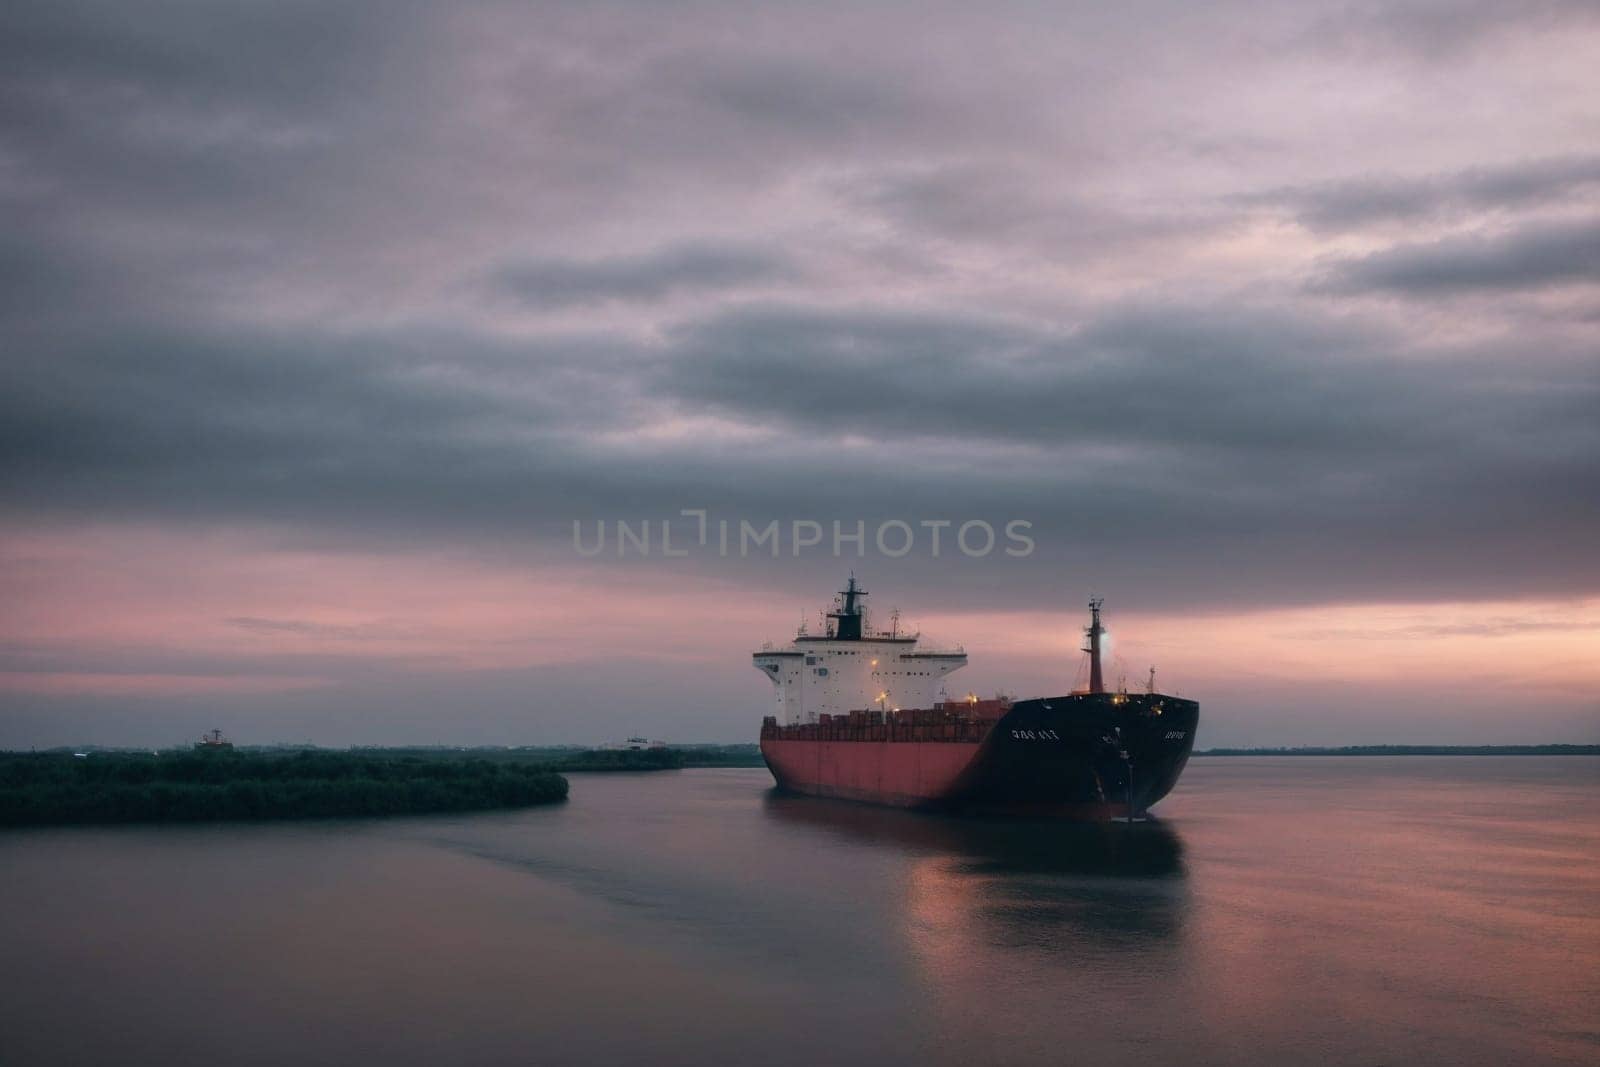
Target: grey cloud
[372, 631]
[291, 52]
[1154, 378]
[1533, 256]
[346, 156]
[155, 658]
[232, 289]
[196, 95]
[1491, 628]
[292, 423]
[1443, 29]
[1285, 437]
[1337, 206]
[810, 97]
[555, 283]
[968, 202]
[1014, 208]
[1251, 430]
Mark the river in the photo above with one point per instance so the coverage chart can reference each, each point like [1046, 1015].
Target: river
[1362, 910]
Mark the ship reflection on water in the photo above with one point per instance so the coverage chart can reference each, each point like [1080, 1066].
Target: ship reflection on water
[1007, 923]
[1018, 882]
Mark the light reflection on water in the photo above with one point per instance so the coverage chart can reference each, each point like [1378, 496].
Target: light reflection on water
[1282, 911]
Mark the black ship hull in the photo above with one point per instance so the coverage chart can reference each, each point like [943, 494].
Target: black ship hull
[1089, 756]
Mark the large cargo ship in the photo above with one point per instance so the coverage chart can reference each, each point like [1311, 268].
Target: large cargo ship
[861, 716]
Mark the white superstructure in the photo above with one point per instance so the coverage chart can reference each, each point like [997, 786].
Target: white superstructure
[847, 668]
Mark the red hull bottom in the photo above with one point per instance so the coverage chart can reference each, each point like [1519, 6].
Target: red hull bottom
[906, 774]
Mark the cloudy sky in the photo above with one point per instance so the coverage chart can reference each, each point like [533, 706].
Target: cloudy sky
[320, 325]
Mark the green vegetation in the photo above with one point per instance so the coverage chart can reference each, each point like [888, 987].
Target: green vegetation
[723, 756]
[575, 758]
[194, 786]
[1412, 750]
[659, 759]
[620, 759]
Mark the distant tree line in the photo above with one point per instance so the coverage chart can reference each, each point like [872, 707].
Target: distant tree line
[575, 758]
[196, 786]
[620, 759]
[723, 756]
[657, 759]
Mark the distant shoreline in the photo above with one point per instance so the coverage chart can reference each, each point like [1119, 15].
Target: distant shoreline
[44, 789]
[1410, 750]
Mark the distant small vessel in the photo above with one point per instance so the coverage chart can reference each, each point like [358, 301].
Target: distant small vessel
[858, 718]
[213, 741]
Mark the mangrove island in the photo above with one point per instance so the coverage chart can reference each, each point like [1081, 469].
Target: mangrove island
[193, 786]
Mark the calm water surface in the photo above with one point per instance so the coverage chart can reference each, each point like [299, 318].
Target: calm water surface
[1289, 910]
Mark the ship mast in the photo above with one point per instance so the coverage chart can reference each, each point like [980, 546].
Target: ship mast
[1093, 633]
[848, 618]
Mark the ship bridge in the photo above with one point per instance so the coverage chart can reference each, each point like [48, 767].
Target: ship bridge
[849, 667]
